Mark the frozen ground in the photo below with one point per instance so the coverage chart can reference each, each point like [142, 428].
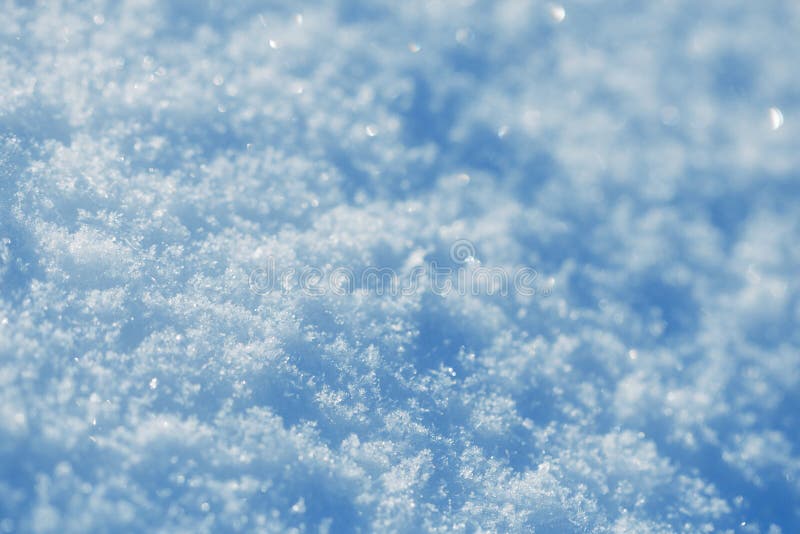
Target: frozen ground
[642, 157]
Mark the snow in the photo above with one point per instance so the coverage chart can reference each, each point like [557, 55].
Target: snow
[637, 162]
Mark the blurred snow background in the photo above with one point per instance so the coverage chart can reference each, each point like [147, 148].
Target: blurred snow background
[643, 157]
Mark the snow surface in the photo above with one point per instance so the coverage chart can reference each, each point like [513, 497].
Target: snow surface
[641, 156]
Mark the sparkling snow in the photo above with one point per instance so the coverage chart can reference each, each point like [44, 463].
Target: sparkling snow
[161, 159]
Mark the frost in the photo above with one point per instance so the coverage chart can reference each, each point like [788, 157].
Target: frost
[156, 158]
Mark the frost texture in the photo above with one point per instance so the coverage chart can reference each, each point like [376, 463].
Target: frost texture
[152, 154]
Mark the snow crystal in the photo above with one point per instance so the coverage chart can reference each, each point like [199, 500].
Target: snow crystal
[161, 162]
